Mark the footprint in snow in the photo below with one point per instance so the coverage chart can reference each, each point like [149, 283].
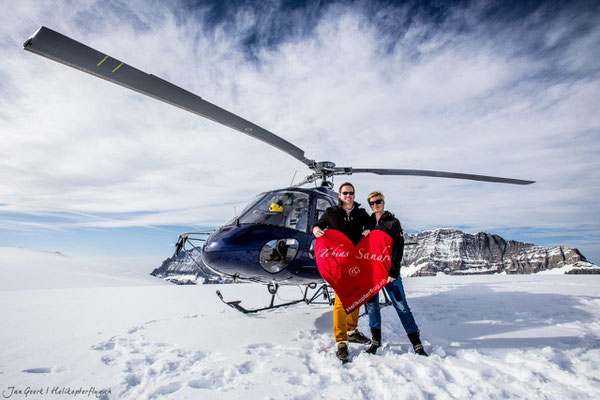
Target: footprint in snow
[53, 370]
[108, 345]
[108, 360]
[132, 380]
[168, 389]
[245, 368]
[200, 384]
[259, 348]
[135, 329]
[170, 367]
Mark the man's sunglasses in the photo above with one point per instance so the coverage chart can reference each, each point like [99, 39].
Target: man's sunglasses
[348, 193]
[378, 201]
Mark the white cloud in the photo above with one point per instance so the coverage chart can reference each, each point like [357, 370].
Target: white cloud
[486, 99]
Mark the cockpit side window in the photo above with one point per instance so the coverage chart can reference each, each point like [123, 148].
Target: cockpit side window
[322, 205]
[285, 208]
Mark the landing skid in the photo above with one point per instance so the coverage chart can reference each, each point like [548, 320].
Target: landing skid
[322, 291]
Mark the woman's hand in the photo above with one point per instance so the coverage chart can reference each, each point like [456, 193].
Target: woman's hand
[390, 279]
[366, 232]
[318, 232]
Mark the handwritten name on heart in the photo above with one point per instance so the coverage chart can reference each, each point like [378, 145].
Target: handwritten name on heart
[355, 273]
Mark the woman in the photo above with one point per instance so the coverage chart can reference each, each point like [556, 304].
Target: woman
[386, 221]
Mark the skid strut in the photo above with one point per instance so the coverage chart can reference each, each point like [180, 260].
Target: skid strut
[272, 288]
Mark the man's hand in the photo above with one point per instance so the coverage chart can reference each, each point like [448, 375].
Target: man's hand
[318, 232]
[366, 232]
[390, 279]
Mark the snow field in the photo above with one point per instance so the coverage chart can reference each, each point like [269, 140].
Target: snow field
[488, 337]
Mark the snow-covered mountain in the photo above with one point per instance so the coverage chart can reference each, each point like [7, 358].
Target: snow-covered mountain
[427, 253]
[454, 252]
[187, 269]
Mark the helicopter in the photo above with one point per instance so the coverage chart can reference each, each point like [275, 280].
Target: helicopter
[270, 241]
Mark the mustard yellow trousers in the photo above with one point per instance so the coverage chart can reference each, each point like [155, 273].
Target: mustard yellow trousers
[342, 322]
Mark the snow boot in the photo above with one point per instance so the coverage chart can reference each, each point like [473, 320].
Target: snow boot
[356, 336]
[342, 352]
[417, 345]
[375, 341]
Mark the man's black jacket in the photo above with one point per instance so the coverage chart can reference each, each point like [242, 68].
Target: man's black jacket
[390, 225]
[350, 225]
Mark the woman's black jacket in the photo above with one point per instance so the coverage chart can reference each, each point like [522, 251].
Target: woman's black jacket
[352, 225]
[390, 225]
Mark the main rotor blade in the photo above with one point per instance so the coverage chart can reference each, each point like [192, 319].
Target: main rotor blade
[65, 50]
[442, 174]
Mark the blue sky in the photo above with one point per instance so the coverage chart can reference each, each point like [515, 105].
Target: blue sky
[91, 169]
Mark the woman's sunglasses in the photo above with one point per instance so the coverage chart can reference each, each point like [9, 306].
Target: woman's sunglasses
[378, 201]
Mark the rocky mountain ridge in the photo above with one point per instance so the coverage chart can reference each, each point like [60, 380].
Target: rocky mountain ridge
[187, 269]
[454, 252]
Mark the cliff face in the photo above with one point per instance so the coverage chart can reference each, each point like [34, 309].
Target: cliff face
[185, 270]
[457, 253]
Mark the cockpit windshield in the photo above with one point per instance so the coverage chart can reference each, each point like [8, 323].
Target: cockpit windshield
[285, 208]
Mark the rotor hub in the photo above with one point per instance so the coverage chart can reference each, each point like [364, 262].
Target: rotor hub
[326, 166]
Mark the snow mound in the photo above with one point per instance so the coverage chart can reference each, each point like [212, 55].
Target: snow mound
[33, 269]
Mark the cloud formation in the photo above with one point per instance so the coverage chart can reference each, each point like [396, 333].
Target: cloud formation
[468, 87]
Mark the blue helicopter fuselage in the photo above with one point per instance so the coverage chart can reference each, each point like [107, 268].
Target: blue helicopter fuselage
[271, 240]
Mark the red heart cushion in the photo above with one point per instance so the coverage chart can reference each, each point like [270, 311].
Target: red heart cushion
[355, 273]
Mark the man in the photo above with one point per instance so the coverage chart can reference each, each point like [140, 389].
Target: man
[354, 222]
[386, 221]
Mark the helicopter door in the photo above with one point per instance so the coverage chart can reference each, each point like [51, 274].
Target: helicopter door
[322, 204]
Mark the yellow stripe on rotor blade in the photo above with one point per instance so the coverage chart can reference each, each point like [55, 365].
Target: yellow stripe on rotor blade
[118, 66]
[104, 59]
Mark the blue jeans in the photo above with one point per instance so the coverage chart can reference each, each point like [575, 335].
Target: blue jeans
[395, 291]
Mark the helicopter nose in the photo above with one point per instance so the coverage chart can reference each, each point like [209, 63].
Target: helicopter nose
[250, 251]
[233, 251]
[231, 262]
